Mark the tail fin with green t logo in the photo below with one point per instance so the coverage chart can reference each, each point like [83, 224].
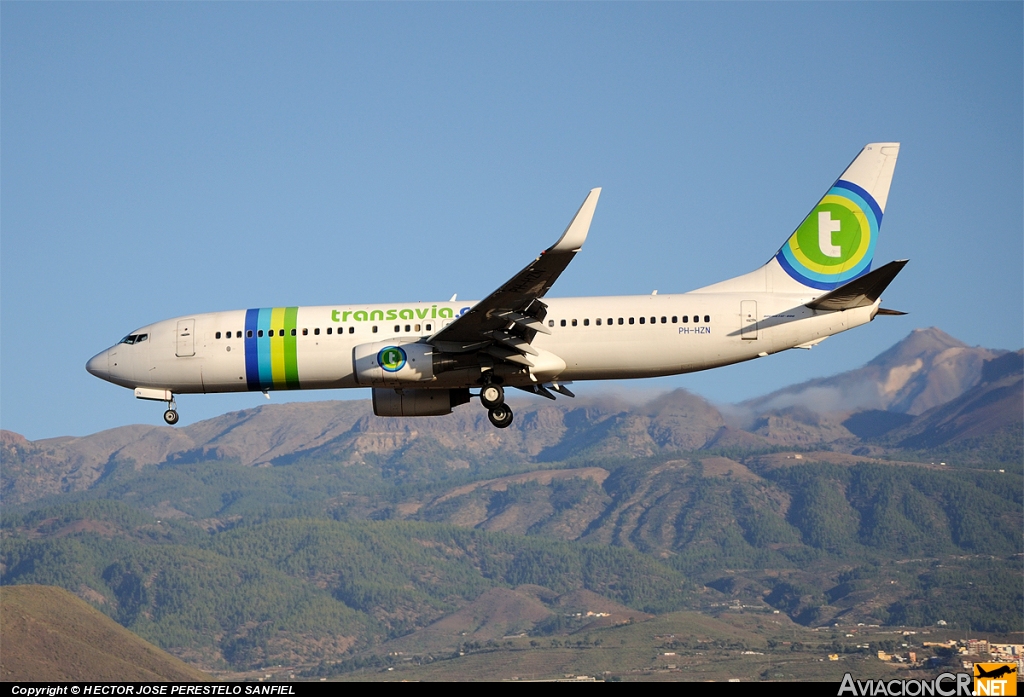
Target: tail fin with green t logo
[835, 243]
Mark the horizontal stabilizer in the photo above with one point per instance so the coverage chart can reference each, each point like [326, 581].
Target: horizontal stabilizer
[885, 311]
[859, 292]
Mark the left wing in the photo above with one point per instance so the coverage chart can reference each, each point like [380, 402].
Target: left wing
[505, 322]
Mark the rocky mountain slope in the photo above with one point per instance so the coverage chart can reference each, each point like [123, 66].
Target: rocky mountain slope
[340, 534]
[926, 370]
[991, 407]
[51, 635]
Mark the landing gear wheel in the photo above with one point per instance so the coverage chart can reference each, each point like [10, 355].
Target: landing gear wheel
[171, 417]
[500, 416]
[492, 395]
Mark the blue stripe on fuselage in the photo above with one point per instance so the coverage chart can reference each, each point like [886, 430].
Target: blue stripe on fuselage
[266, 376]
[252, 370]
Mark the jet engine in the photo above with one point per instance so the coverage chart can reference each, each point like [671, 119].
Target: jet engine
[417, 402]
[393, 363]
[397, 363]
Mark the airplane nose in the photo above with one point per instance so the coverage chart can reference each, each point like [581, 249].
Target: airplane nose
[98, 365]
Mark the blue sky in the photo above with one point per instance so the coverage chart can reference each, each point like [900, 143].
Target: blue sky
[160, 159]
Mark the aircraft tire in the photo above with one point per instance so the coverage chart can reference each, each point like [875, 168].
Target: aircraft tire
[171, 417]
[501, 416]
[492, 395]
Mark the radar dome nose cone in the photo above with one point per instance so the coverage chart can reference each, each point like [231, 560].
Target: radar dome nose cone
[98, 365]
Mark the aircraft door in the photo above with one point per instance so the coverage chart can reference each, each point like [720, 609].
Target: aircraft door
[748, 319]
[186, 345]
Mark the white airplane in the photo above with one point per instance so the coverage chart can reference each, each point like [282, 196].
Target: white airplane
[424, 359]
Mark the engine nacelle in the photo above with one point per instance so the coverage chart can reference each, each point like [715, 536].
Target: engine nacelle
[393, 363]
[405, 402]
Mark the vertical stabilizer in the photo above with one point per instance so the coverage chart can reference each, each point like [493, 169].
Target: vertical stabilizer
[835, 243]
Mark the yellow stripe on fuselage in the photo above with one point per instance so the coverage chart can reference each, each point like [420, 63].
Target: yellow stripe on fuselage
[277, 346]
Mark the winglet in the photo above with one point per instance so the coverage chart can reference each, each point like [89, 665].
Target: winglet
[576, 234]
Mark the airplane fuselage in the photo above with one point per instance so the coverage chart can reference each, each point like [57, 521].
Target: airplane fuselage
[422, 359]
[598, 338]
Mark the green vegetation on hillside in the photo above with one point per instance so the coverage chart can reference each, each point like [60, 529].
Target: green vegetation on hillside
[311, 560]
[255, 591]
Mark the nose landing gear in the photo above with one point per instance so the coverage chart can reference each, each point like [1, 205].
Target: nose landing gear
[171, 415]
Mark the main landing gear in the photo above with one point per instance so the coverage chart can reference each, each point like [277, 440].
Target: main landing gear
[171, 415]
[501, 416]
[492, 396]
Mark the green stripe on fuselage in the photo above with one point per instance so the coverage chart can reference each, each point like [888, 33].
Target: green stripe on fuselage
[291, 363]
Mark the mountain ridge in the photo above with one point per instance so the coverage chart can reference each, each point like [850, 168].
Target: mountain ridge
[928, 367]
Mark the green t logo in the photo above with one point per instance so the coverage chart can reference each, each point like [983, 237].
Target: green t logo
[391, 358]
[826, 226]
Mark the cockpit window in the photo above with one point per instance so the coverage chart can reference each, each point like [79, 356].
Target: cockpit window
[134, 339]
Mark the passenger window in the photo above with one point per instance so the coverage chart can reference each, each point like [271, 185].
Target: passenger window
[664, 320]
[574, 323]
[654, 320]
[248, 333]
[238, 335]
[416, 328]
[598, 321]
[610, 322]
[551, 322]
[217, 335]
[352, 330]
[259, 333]
[707, 318]
[631, 320]
[305, 332]
[408, 329]
[398, 328]
[428, 327]
[293, 332]
[641, 320]
[586, 323]
[685, 319]
[562, 323]
[375, 329]
[316, 332]
[675, 319]
[620, 321]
